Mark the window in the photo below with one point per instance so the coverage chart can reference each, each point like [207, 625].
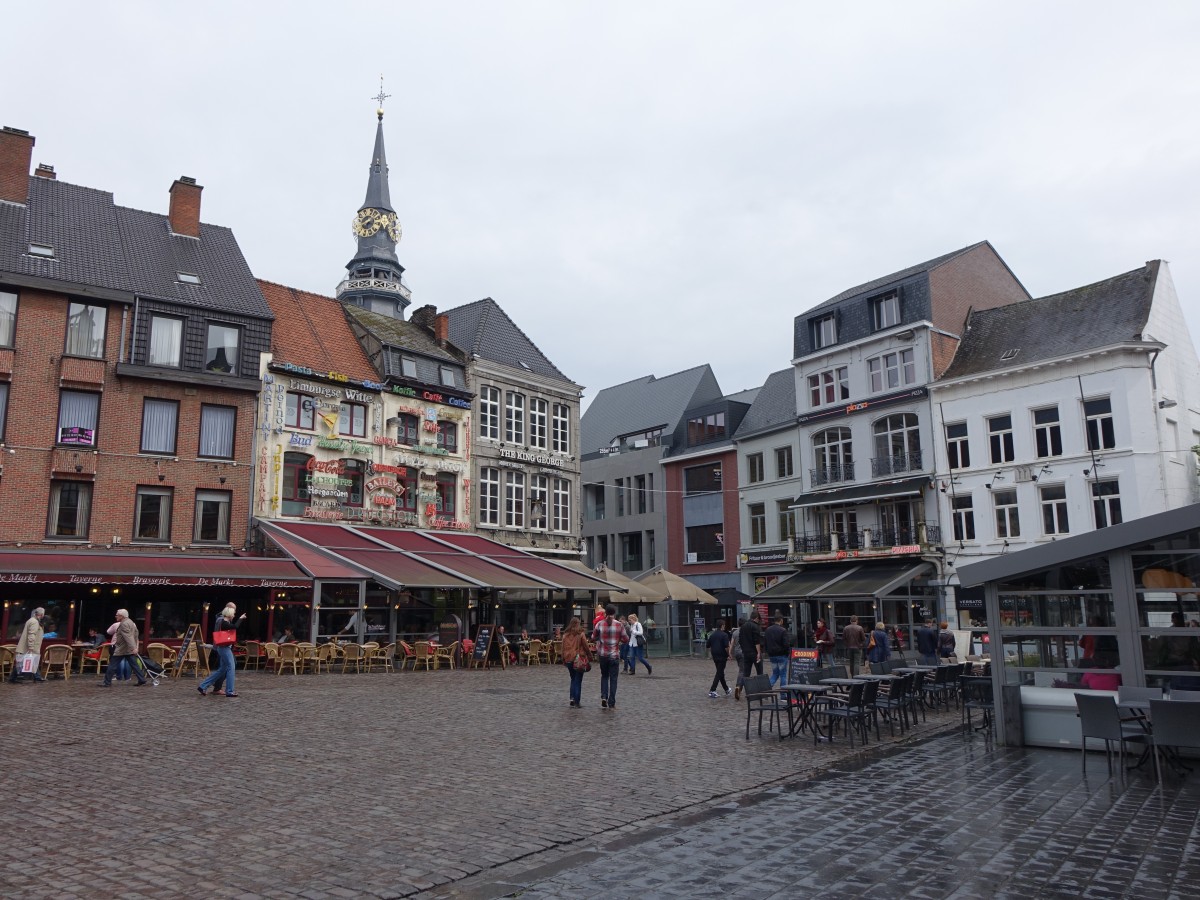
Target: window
[447, 436]
[1047, 437]
[1000, 439]
[85, 330]
[619, 487]
[631, 552]
[754, 468]
[352, 420]
[300, 411]
[561, 520]
[41, 250]
[830, 386]
[824, 331]
[783, 462]
[408, 429]
[70, 509]
[897, 445]
[514, 418]
[704, 543]
[152, 514]
[408, 367]
[539, 500]
[639, 490]
[489, 496]
[221, 349]
[166, 341]
[832, 457]
[561, 429]
[159, 421]
[1100, 432]
[710, 427]
[1054, 509]
[77, 415]
[885, 311]
[1008, 523]
[650, 491]
[891, 370]
[962, 512]
[787, 519]
[514, 499]
[702, 479]
[212, 517]
[296, 481]
[958, 450]
[187, 277]
[406, 500]
[8, 318]
[354, 472]
[3, 407]
[449, 376]
[1106, 502]
[537, 423]
[489, 413]
[758, 523]
[216, 431]
[447, 493]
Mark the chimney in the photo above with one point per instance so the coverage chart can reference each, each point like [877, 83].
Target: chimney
[185, 206]
[45, 170]
[16, 155]
[426, 317]
[441, 329]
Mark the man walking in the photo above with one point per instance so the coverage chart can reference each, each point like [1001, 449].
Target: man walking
[608, 636]
[776, 644]
[750, 637]
[927, 643]
[854, 637]
[718, 648]
[30, 642]
[125, 646]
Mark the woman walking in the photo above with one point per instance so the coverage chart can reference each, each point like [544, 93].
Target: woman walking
[878, 646]
[637, 646]
[576, 657]
[226, 621]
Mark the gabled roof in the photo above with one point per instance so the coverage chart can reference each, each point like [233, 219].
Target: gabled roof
[311, 330]
[1096, 315]
[878, 284]
[645, 403]
[484, 329]
[99, 244]
[773, 408]
[401, 334]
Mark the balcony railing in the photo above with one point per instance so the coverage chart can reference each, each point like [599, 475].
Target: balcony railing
[831, 474]
[867, 538]
[894, 465]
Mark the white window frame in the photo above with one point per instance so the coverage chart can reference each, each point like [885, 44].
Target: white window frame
[889, 371]
[1001, 446]
[755, 469]
[489, 413]
[1099, 425]
[514, 499]
[211, 348]
[166, 342]
[538, 409]
[489, 496]
[83, 345]
[784, 463]
[205, 408]
[1008, 516]
[829, 386]
[824, 331]
[300, 411]
[224, 503]
[757, 515]
[561, 514]
[1106, 504]
[514, 417]
[962, 513]
[8, 318]
[165, 497]
[352, 420]
[157, 408]
[1047, 434]
[561, 428]
[885, 310]
[83, 511]
[958, 446]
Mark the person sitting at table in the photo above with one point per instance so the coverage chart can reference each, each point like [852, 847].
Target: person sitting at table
[96, 638]
[505, 645]
[523, 643]
[287, 637]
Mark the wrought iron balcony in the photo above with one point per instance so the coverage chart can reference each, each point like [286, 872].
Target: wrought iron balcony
[831, 474]
[896, 464]
[814, 542]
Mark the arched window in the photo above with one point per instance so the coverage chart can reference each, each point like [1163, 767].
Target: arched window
[833, 457]
[897, 445]
[296, 480]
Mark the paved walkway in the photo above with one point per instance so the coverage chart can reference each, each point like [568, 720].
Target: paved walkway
[486, 784]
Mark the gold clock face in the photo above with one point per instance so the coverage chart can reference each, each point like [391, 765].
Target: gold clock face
[393, 228]
[367, 222]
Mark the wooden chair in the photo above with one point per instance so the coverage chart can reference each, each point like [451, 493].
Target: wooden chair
[289, 657]
[160, 653]
[8, 659]
[554, 648]
[422, 656]
[311, 657]
[380, 656]
[100, 660]
[545, 654]
[254, 654]
[56, 660]
[406, 654]
[352, 655]
[270, 652]
[446, 655]
[532, 654]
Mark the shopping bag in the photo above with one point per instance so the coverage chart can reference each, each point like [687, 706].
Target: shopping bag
[224, 638]
[29, 663]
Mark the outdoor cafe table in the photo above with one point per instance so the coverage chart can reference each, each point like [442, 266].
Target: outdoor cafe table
[905, 670]
[871, 677]
[800, 698]
[842, 682]
[1141, 714]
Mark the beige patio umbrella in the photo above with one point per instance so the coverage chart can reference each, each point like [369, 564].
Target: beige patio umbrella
[674, 586]
[635, 591]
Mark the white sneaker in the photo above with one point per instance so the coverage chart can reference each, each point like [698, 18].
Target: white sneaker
[713, 694]
[728, 692]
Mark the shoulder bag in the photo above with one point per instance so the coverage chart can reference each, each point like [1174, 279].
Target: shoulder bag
[224, 638]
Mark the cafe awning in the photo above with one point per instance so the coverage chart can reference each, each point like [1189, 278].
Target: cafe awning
[805, 584]
[626, 590]
[149, 569]
[875, 580]
[863, 493]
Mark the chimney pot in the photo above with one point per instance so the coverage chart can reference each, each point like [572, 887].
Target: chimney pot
[16, 155]
[45, 170]
[442, 329]
[185, 206]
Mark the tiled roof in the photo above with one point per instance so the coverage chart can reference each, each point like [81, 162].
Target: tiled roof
[880, 283]
[645, 403]
[401, 334]
[484, 329]
[1096, 315]
[774, 407]
[311, 330]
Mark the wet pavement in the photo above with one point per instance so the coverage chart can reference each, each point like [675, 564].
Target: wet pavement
[485, 784]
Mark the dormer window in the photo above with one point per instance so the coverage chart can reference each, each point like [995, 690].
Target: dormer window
[448, 377]
[187, 278]
[824, 331]
[408, 367]
[885, 311]
[41, 250]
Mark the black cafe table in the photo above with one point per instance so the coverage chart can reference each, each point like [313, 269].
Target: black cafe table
[843, 683]
[906, 670]
[886, 678]
[799, 699]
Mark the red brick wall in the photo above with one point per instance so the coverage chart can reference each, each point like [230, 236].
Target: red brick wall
[676, 540]
[30, 433]
[943, 348]
[185, 208]
[978, 279]
[16, 155]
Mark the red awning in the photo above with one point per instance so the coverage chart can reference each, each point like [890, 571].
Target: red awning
[315, 563]
[150, 569]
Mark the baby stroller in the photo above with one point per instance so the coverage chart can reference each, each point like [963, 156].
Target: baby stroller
[147, 668]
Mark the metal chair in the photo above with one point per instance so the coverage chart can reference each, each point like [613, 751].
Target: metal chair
[850, 709]
[976, 694]
[1174, 724]
[761, 698]
[1100, 718]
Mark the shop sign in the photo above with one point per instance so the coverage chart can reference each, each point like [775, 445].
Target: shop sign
[77, 437]
[762, 582]
[837, 412]
[150, 580]
[536, 458]
[383, 484]
[762, 557]
[906, 550]
[449, 524]
[376, 468]
[343, 445]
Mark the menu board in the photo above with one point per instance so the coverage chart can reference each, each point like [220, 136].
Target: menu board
[483, 643]
[449, 630]
[802, 662]
[192, 634]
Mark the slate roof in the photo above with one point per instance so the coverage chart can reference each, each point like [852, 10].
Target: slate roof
[1095, 315]
[311, 330]
[482, 328]
[402, 335]
[880, 283]
[97, 243]
[774, 406]
[645, 403]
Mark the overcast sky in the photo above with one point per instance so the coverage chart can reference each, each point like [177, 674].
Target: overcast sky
[643, 186]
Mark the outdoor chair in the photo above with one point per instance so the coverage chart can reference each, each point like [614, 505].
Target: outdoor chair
[892, 706]
[1175, 724]
[8, 659]
[289, 656]
[352, 655]
[447, 655]
[1100, 718]
[56, 660]
[422, 655]
[914, 699]
[976, 695]
[406, 654]
[545, 654]
[380, 656]
[762, 699]
[838, 672]
[936, 689]
[100, 660]
[254, 655]
[1184, 696]
[954, 682]
[849, 709]
[877, 668]
[531, 655]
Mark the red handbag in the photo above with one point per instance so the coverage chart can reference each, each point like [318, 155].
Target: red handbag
[224, 638]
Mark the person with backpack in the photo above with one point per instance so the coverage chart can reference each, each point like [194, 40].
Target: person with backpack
[718, 649]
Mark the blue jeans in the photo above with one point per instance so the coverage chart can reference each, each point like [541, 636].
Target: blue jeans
[636, 653]
[576, 683]
[224, 672]
[119, 666]
[779, 666]
[625, 648]
[929, 659]
[610, 668]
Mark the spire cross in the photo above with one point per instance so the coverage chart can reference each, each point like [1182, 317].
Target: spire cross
[380, 97]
